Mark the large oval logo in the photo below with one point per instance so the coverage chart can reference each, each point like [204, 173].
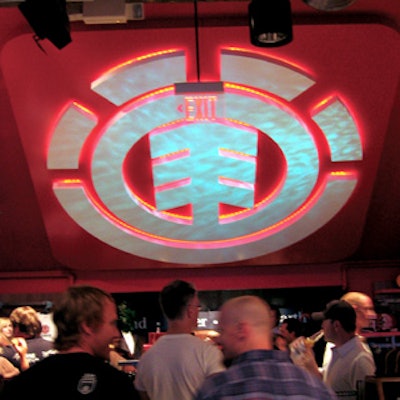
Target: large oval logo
[204, 176]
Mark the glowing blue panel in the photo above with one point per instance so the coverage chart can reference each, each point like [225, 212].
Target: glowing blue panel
[340, 131]
[298, 148]
[69, 136]
[261, 74]
[141, 77]
[108, 180]
[203, 167]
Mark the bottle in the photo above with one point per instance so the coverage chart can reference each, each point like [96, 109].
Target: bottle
[158, 327]
[311, 340]
[300, 346]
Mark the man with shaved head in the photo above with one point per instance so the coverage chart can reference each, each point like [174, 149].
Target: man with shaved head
[364, 308]
[257, 371]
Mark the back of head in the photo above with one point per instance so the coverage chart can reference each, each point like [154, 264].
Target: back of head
[355, 298]
[174, 298]
[342, 311]
[77, 305]
[250, 310]
[365, 310]
[26, 321]
[294, 325]
[245, 325]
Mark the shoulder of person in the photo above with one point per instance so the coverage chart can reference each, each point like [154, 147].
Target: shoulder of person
[7, 369]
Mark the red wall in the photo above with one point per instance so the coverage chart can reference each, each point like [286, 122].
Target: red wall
[361, 277]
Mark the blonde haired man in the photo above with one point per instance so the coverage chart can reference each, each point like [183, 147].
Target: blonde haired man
[364, 308]
[86, 320]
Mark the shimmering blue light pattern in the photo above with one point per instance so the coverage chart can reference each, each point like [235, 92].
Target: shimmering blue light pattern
[340, 131]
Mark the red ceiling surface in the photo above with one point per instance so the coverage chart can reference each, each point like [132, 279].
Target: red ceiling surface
[354, 53]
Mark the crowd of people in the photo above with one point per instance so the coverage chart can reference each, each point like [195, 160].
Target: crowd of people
[255, 355]
[21, 343]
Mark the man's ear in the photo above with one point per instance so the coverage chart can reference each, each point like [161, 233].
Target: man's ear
[86, 329]
[336, 325]
[190, 310]
[242, 330]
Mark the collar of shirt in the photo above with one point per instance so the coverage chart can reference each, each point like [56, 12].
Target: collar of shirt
[257, 355]
[346, 347]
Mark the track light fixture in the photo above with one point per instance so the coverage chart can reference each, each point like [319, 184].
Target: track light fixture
[270, 22]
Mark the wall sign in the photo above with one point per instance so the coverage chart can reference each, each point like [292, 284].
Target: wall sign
[209, 176]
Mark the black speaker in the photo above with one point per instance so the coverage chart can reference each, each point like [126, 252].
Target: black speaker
[48, 19]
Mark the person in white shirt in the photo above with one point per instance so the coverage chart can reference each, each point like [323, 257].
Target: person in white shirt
[365, 315]
[350, 362]
[178, 362]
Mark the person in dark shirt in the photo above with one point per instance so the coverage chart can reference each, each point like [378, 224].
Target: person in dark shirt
[86, 322]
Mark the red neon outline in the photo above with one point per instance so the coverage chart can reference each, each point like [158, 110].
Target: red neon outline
[331, 99]
[78, 106]
[284, 62]
[137, 60]
[255, 236]
[173, 185]
[177, 155]
[296, 215]
[235, 183]
[229, 87]
[237, 155]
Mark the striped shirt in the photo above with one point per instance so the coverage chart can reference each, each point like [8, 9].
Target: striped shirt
[264, 375]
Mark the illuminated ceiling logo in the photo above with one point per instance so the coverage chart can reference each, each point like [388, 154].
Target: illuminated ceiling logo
[204, 178]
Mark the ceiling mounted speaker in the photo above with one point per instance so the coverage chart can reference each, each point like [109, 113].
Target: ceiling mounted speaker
[48, 19]
[270, 22]
[329, 5]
